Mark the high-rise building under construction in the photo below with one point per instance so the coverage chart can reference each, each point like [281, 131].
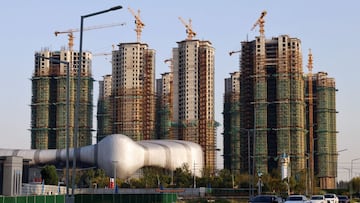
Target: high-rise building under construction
[164, 106]
[48, 102]
[273, 113]
[193, 96]
[104, 108]
[133, 91]
[321, 104]
[272, 101]
[231, 124]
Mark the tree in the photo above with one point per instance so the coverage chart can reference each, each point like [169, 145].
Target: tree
[226, 178]
[355, 184]
[100, 178]
[49, 175]
[183, 177]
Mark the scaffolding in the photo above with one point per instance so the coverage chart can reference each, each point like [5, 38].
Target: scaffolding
[148, 97]
[232, 152]
[104, 108]
[48, 104]
[325, 133]
[134, 103]
[206, 122]
[128, 112]
[246, 108]
[164, 105]
[104, 117]
[297, 107]
[260, 108]
[133, 91]
[272, 104]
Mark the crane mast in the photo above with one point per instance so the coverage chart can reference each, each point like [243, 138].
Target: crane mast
[70, 32]
[261, 23]
[139, 24]
[311, 120]
[189, 31]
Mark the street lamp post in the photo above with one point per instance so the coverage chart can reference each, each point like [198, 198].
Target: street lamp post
[351, 169]
[67, 113]
[348, 170]
[78, 87]
[336, 166]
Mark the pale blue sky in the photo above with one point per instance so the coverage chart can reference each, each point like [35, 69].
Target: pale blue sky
[329, 27]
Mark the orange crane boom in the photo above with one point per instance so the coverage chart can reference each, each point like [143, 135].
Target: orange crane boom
[189, 31]
[139, 24]
[261, 23]
[71, 31]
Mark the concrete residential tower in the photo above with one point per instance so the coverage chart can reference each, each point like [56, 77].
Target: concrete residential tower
[133, 91]
[193, 101]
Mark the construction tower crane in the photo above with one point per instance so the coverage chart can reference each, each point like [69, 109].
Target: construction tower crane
[311, 120]
[260, 22]
[233, 52]
[139, 24]
[71, 31]
[189, 31]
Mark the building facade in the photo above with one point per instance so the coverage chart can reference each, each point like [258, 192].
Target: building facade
[272, 104]
[104, 108]
[324, 140]
[164, 106]
[193, 96]
[231, 123]
[48, 102]
[133, 91]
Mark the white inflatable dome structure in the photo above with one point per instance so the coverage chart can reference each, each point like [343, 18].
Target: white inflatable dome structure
[123, 154]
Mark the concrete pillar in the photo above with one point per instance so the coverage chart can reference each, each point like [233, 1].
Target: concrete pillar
[12, 176]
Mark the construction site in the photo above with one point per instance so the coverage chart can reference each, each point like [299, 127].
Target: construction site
[275, 113]
[48, 102]
[271, 108]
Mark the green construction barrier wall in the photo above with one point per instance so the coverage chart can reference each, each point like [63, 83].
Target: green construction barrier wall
[131, 198]
[34, 199]
[94, 198]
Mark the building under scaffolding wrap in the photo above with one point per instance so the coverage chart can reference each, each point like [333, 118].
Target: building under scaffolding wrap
[164, 104]
[324, 140]
[232, 123]
[274, 114]
[271, 103]
[48, 102]
[133, 91]
[104, 108]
